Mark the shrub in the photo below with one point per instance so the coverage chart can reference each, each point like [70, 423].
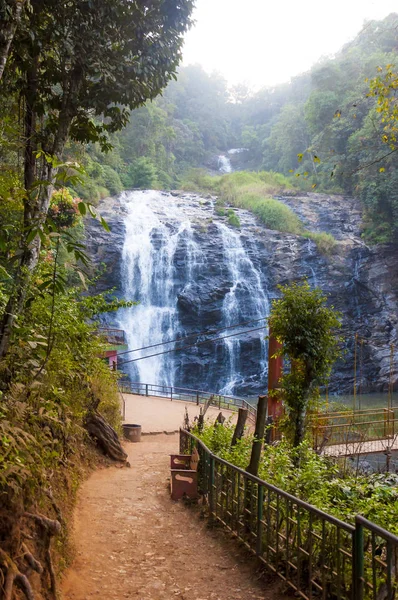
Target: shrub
[143, 173]
[315, 479]
[233, 218]
[198, 180]
[63, 208]
[112, 180]
[304, 326]
[274, 214]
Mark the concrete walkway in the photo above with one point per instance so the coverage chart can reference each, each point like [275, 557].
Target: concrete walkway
[355, 448]
[162, 415]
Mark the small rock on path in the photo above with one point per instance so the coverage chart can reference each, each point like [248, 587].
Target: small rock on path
[132, 541]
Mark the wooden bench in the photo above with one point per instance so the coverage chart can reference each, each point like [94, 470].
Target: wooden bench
[184, 475]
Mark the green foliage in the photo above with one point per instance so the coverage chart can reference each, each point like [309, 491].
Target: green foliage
[273, 213]
[325, 242]
[249, 190]
[199, 180]
[56, 374]
[63, 208]
[111, 180]
[318, 480]
[143, 174]
[305, 326]
[233, 218]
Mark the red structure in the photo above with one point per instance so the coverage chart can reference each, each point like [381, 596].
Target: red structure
[111, 355]
[275, 370]
[115, 341]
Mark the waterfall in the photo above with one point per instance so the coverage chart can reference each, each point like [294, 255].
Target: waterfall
[147, 278]
[311, 248]
[169, 254]
[245, 301]
[224, 164]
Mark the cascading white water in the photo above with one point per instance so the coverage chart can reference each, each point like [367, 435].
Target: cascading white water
[224, 164]
[162, 260]
[311, 247]
[147, 273]
[245, 301]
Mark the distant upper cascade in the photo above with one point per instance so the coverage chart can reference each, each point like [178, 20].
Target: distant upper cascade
[224, 164]
[237, 150]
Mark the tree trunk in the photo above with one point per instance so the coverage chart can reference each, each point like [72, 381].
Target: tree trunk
[7, 34]
[105, 436]
[240, 426]
[258, 436]
[299, 427]
[35, 212]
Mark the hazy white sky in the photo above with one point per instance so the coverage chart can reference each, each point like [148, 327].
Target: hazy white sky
[263, 42]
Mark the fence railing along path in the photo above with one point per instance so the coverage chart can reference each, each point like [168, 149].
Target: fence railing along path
[316, 554]
[344, 433]
[197, 397]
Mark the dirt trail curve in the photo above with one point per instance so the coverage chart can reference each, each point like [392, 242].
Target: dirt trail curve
[133, 541]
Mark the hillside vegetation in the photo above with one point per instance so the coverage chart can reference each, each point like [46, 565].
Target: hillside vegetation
[69, 75]
[253, 191]
[324, 126]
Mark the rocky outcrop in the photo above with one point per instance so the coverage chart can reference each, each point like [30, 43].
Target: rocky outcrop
[361, 282]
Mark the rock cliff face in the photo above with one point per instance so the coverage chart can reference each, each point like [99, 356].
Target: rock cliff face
[190, 271]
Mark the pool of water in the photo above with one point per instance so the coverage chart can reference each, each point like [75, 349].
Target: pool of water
[362, 401]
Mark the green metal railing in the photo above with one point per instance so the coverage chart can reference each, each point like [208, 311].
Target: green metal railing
[316, 554]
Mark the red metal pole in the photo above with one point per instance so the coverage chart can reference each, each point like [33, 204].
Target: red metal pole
[275, 370]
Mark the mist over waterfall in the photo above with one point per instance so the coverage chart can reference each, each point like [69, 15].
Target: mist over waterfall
[190, 272]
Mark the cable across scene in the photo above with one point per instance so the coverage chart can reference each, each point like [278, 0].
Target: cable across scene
[191, 335]
[124, 362]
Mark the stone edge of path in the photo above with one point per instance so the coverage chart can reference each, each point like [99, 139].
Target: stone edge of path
[172, 432]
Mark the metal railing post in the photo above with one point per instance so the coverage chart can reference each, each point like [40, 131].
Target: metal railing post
[171, 394]
[211, 485]
[146, 389]
[197, 398]
[358, 566]
[260, 504]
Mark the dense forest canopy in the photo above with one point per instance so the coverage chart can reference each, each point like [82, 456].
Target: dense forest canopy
[70, 73]
[327, 114]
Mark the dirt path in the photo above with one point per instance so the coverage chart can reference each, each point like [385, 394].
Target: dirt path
[134, 542]
[161, 415]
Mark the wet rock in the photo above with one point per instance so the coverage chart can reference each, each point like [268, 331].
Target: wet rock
[362, 283]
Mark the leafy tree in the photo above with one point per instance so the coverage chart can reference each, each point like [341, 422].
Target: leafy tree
[304, 325]
[144, 173]
[81, 66]
[10, 17]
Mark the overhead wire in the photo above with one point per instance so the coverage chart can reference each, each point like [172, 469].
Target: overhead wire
[124, 362]
[191, 335]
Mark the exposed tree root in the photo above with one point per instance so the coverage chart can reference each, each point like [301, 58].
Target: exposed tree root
[31, 560]
[55, 506]
[105, 436]
[15, 577]
[50, 528]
